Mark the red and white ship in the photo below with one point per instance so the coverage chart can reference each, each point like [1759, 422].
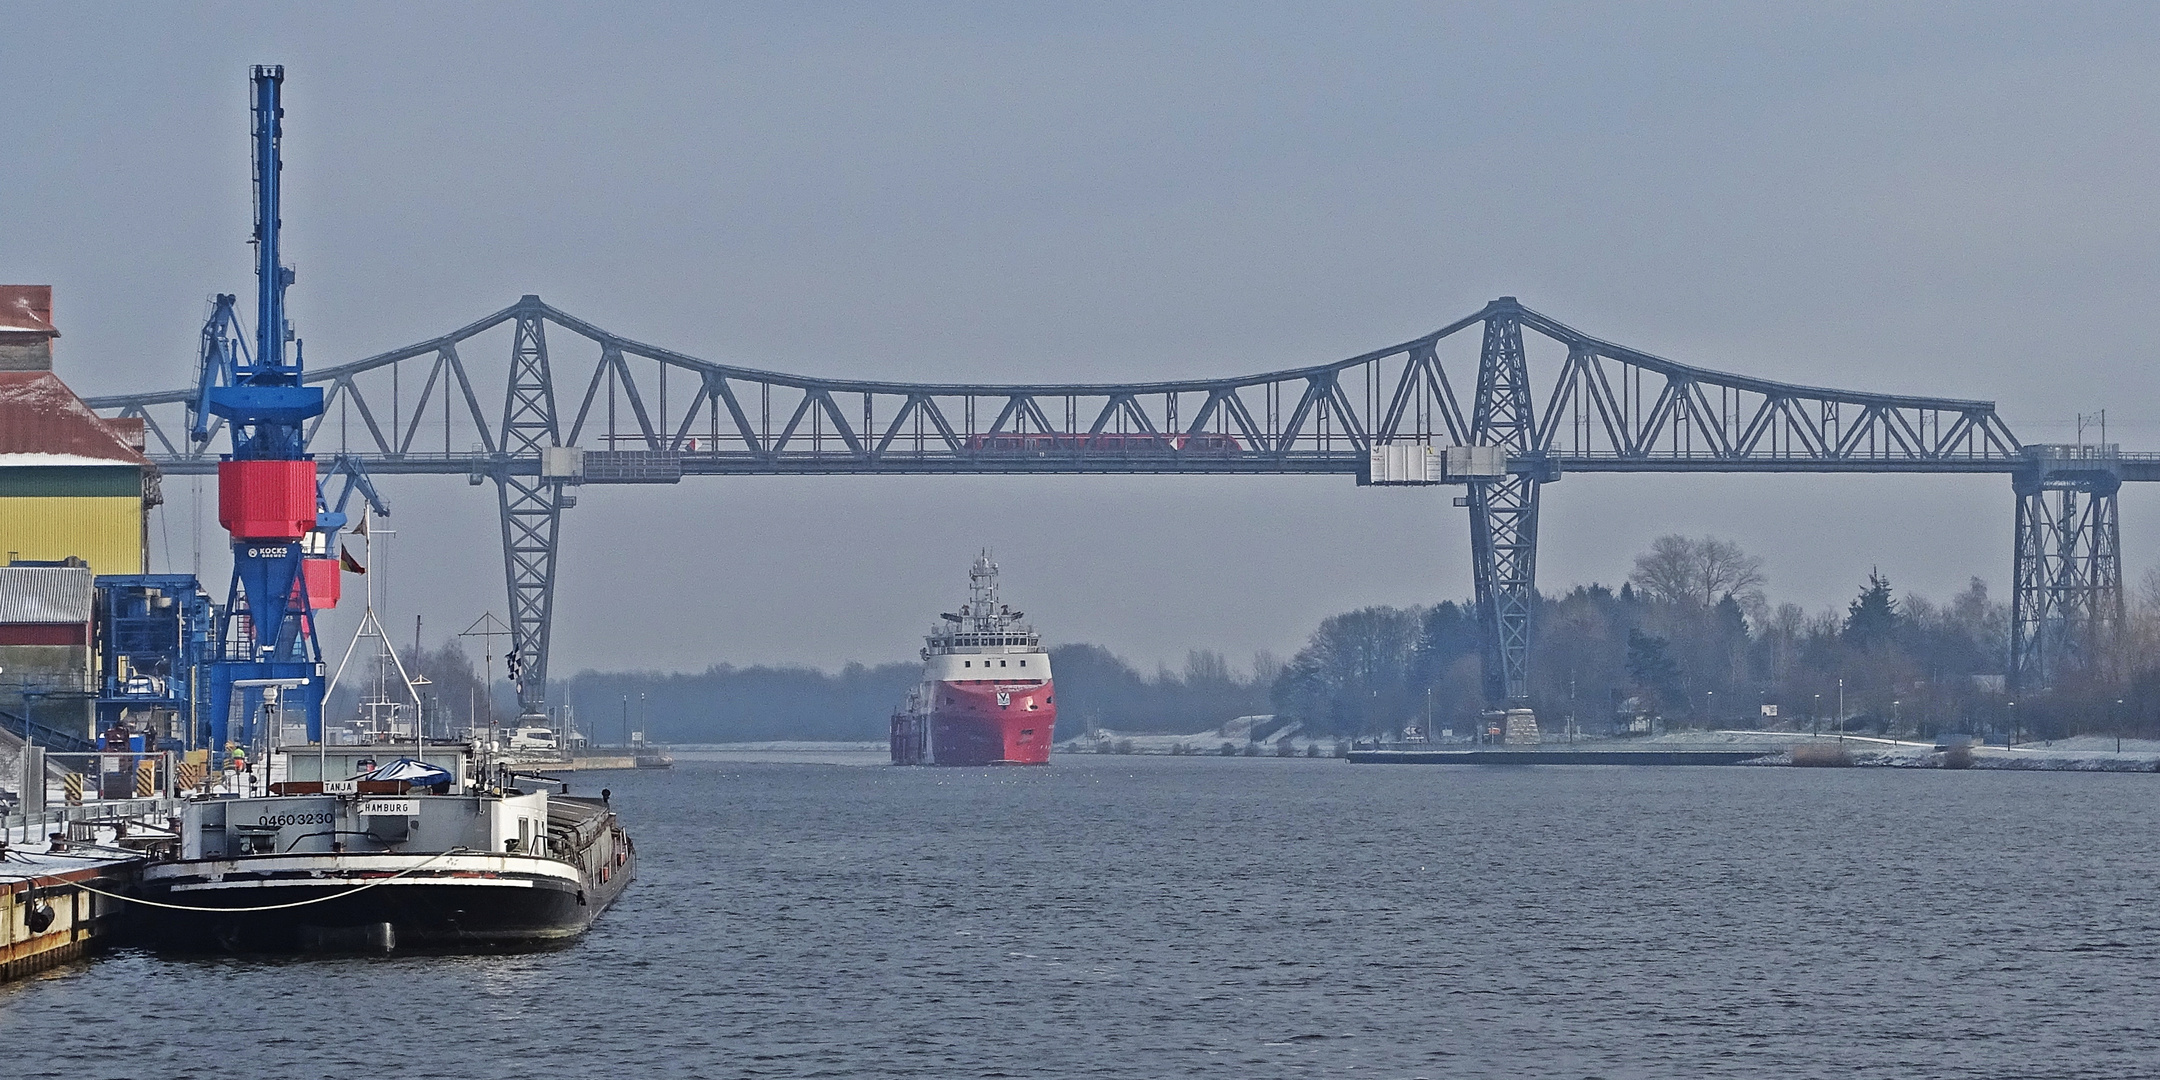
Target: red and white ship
[985, 696]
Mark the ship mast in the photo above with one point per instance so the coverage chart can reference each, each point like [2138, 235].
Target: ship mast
[982, 609]
[984, 616]
[372, 627]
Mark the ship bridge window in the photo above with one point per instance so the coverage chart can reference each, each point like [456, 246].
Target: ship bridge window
[1001, 663]
[967, 663]
[1023, 663]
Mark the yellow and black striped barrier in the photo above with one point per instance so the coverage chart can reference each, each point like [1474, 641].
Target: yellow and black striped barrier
[145, 778]
[74, 783]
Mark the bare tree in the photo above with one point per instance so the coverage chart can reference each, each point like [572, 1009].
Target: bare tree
[1699, 573]
[1206, 668]
[1667, 571]
[1785, 631]
[1354, 676]
[1728, 571]
[2140, 638]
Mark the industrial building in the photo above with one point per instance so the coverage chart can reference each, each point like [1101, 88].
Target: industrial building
[47, 646]
[73, 485]
[75, 496]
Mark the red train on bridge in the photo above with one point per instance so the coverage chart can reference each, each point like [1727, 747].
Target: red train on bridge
[1104, 442]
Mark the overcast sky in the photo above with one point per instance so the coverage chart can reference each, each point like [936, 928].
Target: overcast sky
[1925, 198]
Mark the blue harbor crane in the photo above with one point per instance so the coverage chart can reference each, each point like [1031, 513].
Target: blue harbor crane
[265, 646]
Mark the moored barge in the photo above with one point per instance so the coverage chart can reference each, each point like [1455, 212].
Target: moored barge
[409, 855]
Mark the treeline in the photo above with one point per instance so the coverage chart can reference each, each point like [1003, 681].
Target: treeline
[723, 703]
[454, 691]
[1097, 689]
[1690, 639]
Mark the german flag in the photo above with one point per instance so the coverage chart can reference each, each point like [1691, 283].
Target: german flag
[351, 565]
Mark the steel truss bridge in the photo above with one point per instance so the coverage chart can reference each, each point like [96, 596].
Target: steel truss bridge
[610, 410]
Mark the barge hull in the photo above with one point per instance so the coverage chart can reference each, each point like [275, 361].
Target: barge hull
[442, 912]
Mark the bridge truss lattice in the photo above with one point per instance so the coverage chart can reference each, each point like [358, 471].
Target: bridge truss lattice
[625, 412]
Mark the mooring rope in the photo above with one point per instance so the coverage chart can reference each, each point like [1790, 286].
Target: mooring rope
[258, 907]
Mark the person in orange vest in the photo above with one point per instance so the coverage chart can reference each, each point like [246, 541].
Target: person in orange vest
[237, 761]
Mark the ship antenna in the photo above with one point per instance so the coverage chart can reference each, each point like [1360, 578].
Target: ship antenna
[982, 593]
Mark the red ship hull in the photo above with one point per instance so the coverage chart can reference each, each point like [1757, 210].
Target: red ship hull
[978, 723]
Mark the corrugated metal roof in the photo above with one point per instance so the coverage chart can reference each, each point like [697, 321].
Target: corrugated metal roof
[40, 415]
[45, 594]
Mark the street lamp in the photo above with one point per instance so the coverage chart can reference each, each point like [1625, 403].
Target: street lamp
[1893, 721]
[2115, 721]
[1710, 706]
[1841, 708]
[1817, 714]
[2012, 744]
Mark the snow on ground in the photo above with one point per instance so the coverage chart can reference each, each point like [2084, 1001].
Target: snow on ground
[2086, 753]
[786, 752]
[1276, 740]
[780, 746]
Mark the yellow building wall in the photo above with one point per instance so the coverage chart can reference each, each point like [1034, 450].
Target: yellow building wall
[106, 532]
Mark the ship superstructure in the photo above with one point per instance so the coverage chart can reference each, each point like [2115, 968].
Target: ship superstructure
[986, 697]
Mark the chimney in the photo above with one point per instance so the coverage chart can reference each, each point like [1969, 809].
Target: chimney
[26, 328]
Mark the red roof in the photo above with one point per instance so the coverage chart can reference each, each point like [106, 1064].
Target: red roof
[40, 415]
[26, 309]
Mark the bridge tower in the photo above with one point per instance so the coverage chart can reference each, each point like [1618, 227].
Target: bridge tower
[1504, 510]
[2067, 611]
[531, 506]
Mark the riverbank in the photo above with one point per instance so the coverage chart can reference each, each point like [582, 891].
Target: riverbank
[1768, 748]
[2084, 753]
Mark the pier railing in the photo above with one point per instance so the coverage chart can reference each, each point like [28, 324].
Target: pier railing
[35, 827]
[100, 784]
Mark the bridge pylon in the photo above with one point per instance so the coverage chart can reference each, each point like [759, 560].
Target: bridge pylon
[1504, 509]
[2067, 608]
[531, 505]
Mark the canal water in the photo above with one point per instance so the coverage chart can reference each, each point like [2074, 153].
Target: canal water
[1156, 917]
